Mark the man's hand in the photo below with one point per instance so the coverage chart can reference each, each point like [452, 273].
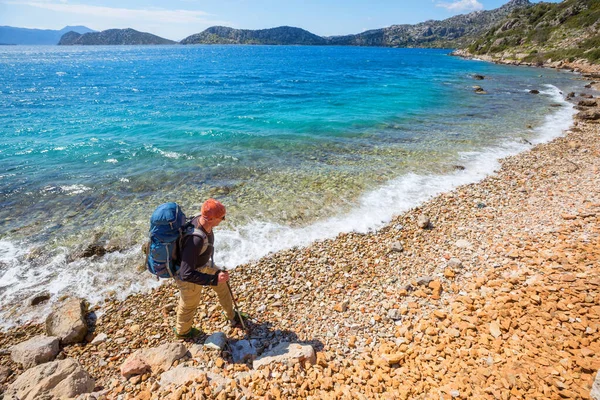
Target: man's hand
[223, 277]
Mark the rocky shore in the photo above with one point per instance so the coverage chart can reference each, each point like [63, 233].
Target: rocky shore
[584, 67]
[489, 291]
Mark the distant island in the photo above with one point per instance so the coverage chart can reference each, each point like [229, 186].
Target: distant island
[112, 37]
[11, 35]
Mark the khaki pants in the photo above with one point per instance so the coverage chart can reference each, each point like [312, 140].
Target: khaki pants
[189, 298]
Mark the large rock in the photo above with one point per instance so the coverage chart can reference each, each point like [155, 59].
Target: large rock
[242, 351]
[62, 379]
[595, 393]
[157, 359]
[216, 341]
[286, 353]
[35, 351]
[590, 115]
[67, 321]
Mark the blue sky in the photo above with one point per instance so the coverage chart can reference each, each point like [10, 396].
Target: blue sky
[176, 19]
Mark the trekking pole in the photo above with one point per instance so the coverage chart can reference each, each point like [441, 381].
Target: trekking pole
[235, 307]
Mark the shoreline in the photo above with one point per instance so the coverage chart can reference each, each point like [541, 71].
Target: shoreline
[590, 71]
[436, 298]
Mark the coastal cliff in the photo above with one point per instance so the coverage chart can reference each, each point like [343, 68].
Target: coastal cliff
[112, 37]
[544, 34]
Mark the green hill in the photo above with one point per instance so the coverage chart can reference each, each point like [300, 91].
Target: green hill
[566, 31]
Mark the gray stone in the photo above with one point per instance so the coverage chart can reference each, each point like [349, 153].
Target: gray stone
[425, 280]
[216, 341]
[595, 393]
[423, 222]
[463, 244]
[35, 351]
[397, 247]
[242, 350]
[394, 314]
[100, 338]
[454, 263]
[53, 380]
[67, 321]
[286, 353]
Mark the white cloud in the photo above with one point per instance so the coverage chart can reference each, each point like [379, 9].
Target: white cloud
[462, 5]
[53, 14]
[149, 14]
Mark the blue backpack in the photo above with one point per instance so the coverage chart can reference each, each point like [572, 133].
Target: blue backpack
[168, 227]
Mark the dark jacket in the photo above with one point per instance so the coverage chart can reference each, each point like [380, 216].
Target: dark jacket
[191, 259]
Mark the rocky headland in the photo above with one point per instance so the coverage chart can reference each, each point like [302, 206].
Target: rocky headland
[491, 291]
[112, 37]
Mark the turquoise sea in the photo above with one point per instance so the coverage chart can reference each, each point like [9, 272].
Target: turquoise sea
[300, 143]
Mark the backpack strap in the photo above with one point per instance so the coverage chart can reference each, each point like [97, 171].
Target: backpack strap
[193, 231]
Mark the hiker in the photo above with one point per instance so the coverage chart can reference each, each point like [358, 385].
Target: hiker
[197, 269]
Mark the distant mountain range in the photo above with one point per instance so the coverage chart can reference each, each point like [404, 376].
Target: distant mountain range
[452, 32]
[12, 35]
[113, 37]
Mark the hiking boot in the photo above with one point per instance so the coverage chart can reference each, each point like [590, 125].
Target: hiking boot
[236, 322]
[192, 334]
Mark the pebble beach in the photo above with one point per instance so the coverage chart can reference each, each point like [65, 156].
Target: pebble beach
[490, 291]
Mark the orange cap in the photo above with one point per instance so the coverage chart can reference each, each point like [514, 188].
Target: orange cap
[212, 209]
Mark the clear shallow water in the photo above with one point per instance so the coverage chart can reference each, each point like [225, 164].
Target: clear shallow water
[300, 143]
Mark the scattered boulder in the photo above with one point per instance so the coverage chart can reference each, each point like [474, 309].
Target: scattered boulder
[286, 353]
[39, 298]
[100, 338]
[242, 350]
[570, 95]
[458, 167]
[534, 91]
[396, 247]
[454, 263]
[156, 359]
[216, 341]
[423, 222]
[595, 393]
[35, 351]
[93, 250]
[54, 380]
[590, 115]
[67, 321]
[479, 90]
[478, 77]
[587, 103]
[134, 366]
